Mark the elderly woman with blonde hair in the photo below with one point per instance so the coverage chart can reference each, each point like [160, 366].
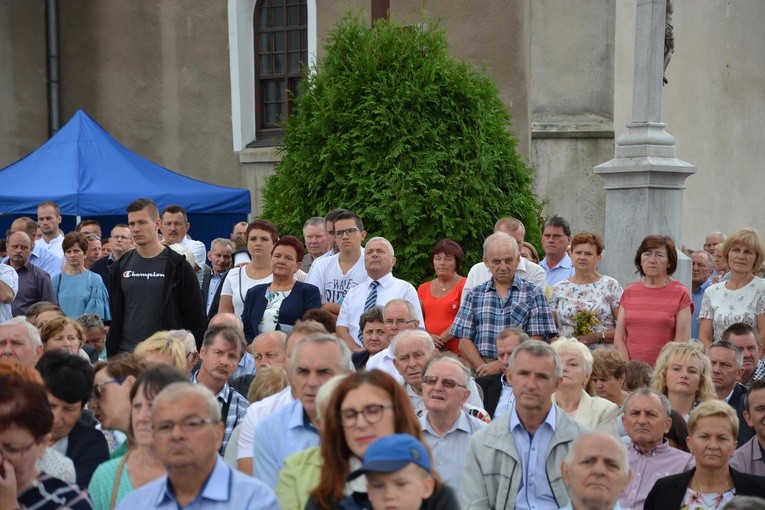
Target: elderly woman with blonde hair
[571, 397]
[684, 374]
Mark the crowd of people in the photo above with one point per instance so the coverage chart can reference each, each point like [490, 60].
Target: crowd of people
[141, 369]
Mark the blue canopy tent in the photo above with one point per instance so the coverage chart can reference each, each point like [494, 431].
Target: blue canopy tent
[91, 175]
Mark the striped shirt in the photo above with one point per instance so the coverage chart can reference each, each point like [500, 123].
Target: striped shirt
[49, 493]
[233, 409]
[484, 314]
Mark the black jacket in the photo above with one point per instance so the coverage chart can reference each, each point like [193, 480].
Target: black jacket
[216, 297]
[87, 448]
[182, 300]
[736, 401]
[668, 492]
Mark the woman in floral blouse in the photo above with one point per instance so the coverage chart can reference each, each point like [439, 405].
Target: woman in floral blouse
[586, 305]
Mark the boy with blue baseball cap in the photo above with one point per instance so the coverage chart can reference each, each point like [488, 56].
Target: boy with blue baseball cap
[400, 477]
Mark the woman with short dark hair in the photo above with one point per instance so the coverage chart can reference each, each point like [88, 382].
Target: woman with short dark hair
[440, 297]
[282, 302]
[655, 310]
[78, 290]
[69, 381]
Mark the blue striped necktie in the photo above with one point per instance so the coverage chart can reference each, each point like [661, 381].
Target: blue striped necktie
[372, 296]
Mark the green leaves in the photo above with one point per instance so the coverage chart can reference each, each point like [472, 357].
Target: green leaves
[411, 140]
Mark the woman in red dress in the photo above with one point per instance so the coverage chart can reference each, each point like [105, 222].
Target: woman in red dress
[440, 297]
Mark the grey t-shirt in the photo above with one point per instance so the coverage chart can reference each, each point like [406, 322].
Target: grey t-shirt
[143, 282]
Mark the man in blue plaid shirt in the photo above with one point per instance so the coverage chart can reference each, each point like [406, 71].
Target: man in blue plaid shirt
[504, 301]
[222, 348]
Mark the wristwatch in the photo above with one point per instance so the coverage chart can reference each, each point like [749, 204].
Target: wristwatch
[602, 337]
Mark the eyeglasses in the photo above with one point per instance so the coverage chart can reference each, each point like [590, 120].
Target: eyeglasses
[14, 452]
[372, 414]
[189, 425]
[398, 322]
[341, 233]
[449, 384]
[98, 391]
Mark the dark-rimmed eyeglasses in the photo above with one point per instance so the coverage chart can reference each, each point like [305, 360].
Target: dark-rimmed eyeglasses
[342, 233]
[372, 414]
[98, 389]
[449, 384]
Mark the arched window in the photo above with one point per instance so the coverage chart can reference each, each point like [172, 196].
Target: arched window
[281, 51]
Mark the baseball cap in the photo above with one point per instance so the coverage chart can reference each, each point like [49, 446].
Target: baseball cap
[391, 453]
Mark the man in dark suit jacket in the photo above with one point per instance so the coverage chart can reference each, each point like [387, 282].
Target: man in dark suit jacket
[220, 256]
[497, 392]
[727, 361]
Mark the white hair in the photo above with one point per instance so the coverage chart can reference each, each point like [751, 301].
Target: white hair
[384, 241]
[574, 346]
[32, 332]
[499, 238]
[412, 333]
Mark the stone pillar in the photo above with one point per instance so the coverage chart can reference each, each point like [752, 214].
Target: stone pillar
[644, 182]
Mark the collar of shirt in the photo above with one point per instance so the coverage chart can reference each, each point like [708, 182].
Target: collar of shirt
[516, 284]
[565, 262]
[656, 450]
[58, 239]
[727, 399]
[387, 353]
[222, 394]
[505, 384]
[299, 418]
[461, 423]
[7, 262]
[384, 281]
[552, 415]
[703, 286]
[762, 450]
[215, 487]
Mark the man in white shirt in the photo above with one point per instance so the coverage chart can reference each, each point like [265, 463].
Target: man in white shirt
[526, 269]
[9, 286]
[48, 219]
[379, 287]
[174, 227]
[335, 275]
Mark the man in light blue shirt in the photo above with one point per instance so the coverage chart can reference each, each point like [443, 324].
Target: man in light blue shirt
[596, 472]
[291, 429]
[701, 279]
[515, 461]
[556, 236]
[446, 425]
[187, 434]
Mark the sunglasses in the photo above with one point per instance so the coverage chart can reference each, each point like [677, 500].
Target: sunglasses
[449, 384]
[98, 391]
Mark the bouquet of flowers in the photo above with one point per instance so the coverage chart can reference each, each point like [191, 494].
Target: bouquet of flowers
[585, 321]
